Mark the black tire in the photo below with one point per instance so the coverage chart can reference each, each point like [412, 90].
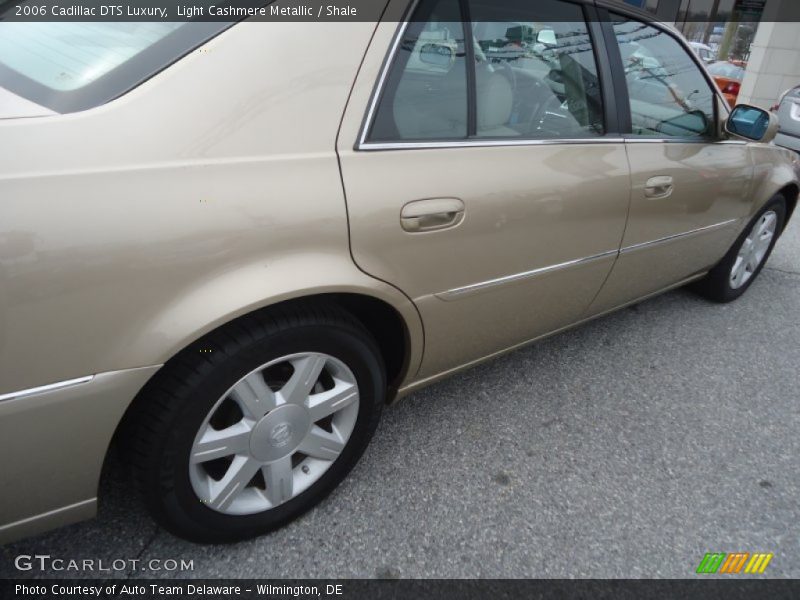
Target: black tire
[716, 286]
[174, 404]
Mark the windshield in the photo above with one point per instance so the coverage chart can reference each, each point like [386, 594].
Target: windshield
[69, 67]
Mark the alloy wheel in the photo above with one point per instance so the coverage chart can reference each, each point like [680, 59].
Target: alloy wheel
[274, 433]
[754, 249]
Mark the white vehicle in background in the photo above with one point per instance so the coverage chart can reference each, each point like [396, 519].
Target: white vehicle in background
[705, 52]
[788, 109]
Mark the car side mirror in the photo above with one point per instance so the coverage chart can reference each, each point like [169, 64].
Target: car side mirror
[437, 55]
[752, 123]
[547, 37]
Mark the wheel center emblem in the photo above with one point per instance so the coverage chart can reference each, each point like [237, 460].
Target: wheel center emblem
[280, 435]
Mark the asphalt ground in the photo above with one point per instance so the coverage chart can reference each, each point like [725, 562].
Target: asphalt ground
[629, 447]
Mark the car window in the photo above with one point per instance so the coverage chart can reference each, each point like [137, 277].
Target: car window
[536, 75]
[69, 67]
[669, 95]
[425, 96]
[67, 56]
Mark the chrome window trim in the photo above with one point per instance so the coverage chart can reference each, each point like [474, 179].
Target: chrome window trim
[475, 288]
[652, 141]
[46, 388]
[644, 140]
[670, 238]
[479, 143]
[381, 83]
[633, 140]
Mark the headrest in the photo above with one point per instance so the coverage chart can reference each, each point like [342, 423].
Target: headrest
[495, 100]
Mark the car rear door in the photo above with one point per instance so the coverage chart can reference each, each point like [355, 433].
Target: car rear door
[488, 180]
[690, 185]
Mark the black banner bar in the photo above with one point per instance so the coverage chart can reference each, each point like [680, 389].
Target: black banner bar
[248, 589]
[292, 11]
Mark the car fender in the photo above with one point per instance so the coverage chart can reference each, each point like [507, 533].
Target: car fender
[210, 303]
[775, 170]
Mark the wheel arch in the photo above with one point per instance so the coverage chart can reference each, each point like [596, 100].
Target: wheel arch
[383, 310]
[392, 330]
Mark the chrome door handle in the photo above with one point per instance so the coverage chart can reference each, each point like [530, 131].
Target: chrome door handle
[432, 214]
[659, 187]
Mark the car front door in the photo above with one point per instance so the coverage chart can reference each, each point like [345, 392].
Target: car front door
[487, 181]
[690, 185]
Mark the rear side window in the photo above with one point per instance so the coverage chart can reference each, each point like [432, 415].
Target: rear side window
[69, 67]
[669, 95]
[425, 96]
[518, 70]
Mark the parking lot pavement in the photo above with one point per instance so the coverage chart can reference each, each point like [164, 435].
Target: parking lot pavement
[629, 447]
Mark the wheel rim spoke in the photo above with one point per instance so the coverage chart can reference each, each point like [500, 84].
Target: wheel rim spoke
[254, 396]
[763, 243]
[768, 222]
[219, 444]
[325, 404]
[238, 475]
[306, 372]
[322, 444]
[279, 479]
[752, 263]
[738, 269]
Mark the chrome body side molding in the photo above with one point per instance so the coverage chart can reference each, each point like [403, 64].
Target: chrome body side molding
[469, 290]
[670, 238]
[46, 388]
[475, 288]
